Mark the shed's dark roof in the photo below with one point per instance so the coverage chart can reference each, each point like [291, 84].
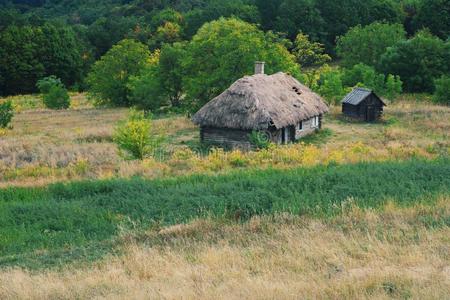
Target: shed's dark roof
[358, 95]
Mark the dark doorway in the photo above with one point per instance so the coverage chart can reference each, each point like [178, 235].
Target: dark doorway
[370, 113]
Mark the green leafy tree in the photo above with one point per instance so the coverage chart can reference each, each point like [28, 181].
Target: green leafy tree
[434, 15]
[29, 53]
[225, 50]
[136, 136]
[340, 16]
[109, 78]
[309, 55]
[442, 90]
[418, 61]
[161, 82]
[331, 86]
[171, 72]
[367, 44]
[268, 10]
[299, 15]
[394, 86]
[367, 76]
[106, 32]
[214, 9]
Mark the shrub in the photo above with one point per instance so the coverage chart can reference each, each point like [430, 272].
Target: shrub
[136, 137]
[57, 98]
[6, 113]
[45, 84]
[259, 139]
[442, 90]
[55, 95]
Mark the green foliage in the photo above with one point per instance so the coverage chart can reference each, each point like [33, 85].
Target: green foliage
[259, 139]
[418, 61]
[309, 54]
[331, 86]
[136, 137]
[366, 76]
[367, 44]
[303, 15]
[146, 90]
[171, 72]
[45, 84]
[55, 95]
[49, 225]
[334, 84]
[109, 78]
[28, 53]
[393, 86]
[225, 50]
[215, 9]
[6, 113]
[442, 90]
[57, 98]
[340, 16]
[434, 15]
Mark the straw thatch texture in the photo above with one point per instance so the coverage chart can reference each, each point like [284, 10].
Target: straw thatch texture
[259, 101]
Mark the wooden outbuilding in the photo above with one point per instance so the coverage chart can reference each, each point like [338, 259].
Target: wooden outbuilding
[277, 105]
[363, 104]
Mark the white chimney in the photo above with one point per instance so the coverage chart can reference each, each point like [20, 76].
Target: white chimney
[259, 67]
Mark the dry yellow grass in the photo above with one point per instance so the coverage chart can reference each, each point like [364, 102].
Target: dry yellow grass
[359, 255]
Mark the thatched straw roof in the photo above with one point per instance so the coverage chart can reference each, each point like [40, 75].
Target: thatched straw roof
[256, 102]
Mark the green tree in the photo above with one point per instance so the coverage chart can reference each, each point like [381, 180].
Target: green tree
[367, 44]
[109, 78]
[331, 87]
[214, 9]
[340, 16]
[299, 15]
[225, 50]
[434, 15]
[418, 61]
[366, 76]
[309, 55]
[29, 53]
[161, 82]
[106, 32]
[442, 90]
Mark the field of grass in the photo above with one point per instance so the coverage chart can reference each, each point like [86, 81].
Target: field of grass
[62, 222]
[354, 211]
[52, 146]
[391, 253]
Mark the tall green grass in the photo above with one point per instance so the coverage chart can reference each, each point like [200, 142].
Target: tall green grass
[44, 226]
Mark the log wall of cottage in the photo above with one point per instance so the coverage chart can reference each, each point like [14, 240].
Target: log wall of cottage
[227, 138]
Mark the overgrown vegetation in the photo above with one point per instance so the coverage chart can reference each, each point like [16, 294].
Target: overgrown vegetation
[55, 95]
[6, 113]
[136, 137]
[64, 221]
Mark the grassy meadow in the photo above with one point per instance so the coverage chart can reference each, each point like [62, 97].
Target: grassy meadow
[354, 211]
[52, 146]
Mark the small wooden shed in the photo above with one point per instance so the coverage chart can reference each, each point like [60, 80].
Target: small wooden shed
[363, 104]
[277, 105]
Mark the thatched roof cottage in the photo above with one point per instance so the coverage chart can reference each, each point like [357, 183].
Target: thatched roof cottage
[277, 105]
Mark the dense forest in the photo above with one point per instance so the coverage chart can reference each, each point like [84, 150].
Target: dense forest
[156, 52]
